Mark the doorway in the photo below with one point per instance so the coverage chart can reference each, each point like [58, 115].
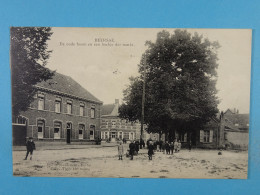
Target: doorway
[69, 128]
[113, 136]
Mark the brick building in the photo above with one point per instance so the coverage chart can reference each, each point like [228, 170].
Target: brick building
[113, 128]
[62, 111]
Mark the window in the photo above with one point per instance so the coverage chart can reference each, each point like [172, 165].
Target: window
[57, 130]
[106, 135]
[81, 131]
[69, 107]
[58, 105]
[81, 110]
[113, 124]
[40, 102]
[183, 137]
[40, 128]
[92, 113]
[120, 135]
[131, 136]
[206, 136]
[20, 120]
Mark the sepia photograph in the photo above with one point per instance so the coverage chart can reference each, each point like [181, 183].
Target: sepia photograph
[130, 102]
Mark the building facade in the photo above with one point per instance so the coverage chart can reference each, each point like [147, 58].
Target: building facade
[235, 129]
[230, 131]
[113, 128]
[62, 110]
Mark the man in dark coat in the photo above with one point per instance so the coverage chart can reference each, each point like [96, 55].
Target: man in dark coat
[167, 147]
[161, 143]
[163, 147]
[142, 144]
[131, 150]
[150, 150]
[137, 146]
[30, 146]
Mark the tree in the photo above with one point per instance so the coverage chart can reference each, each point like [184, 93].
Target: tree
[180, 83]
[29, 57]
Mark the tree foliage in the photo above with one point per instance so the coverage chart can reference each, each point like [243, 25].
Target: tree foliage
[180, 83]
[29, 55]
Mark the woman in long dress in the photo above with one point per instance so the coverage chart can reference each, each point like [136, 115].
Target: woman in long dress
[120, 151]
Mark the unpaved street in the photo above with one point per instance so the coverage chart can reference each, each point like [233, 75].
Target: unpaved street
[103, 162]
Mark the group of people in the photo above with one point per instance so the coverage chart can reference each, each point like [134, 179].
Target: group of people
[170, 147]
[160, 146]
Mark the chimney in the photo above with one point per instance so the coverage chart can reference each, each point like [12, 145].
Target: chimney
[116, 101]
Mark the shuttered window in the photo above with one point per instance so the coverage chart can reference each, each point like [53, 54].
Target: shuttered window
[206, 136]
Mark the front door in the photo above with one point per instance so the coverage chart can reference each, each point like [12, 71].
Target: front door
[91, 135]
[69, 127]
[113, 136]
[91, 132]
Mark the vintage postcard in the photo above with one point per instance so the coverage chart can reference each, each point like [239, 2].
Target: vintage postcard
[130, 102]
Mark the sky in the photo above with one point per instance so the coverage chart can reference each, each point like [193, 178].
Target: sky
[102, 59]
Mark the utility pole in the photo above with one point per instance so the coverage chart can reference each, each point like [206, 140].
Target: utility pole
[143, 101]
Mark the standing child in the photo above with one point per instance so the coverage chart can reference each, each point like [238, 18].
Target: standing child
[179, 146]
[167, 147]
[176, 145]
[120, 151]
[30, 146]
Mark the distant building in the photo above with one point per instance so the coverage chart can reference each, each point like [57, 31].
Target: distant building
[209, 135]
[228, 130]
[231, 131]
[235, 129]
[62, 110]
[113, 128]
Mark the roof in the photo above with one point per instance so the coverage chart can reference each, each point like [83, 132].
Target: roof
[65, 84]
[110, 109]
[237, 121]
[107, 109]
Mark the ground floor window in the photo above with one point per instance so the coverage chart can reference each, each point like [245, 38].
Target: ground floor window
[206, 136]
[120, 135]
[81, 131]
[40, 128]
[57, 130]
[104, 135]
[183, 137]
[131, 136]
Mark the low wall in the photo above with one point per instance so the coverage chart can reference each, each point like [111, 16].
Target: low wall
[236, 140]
